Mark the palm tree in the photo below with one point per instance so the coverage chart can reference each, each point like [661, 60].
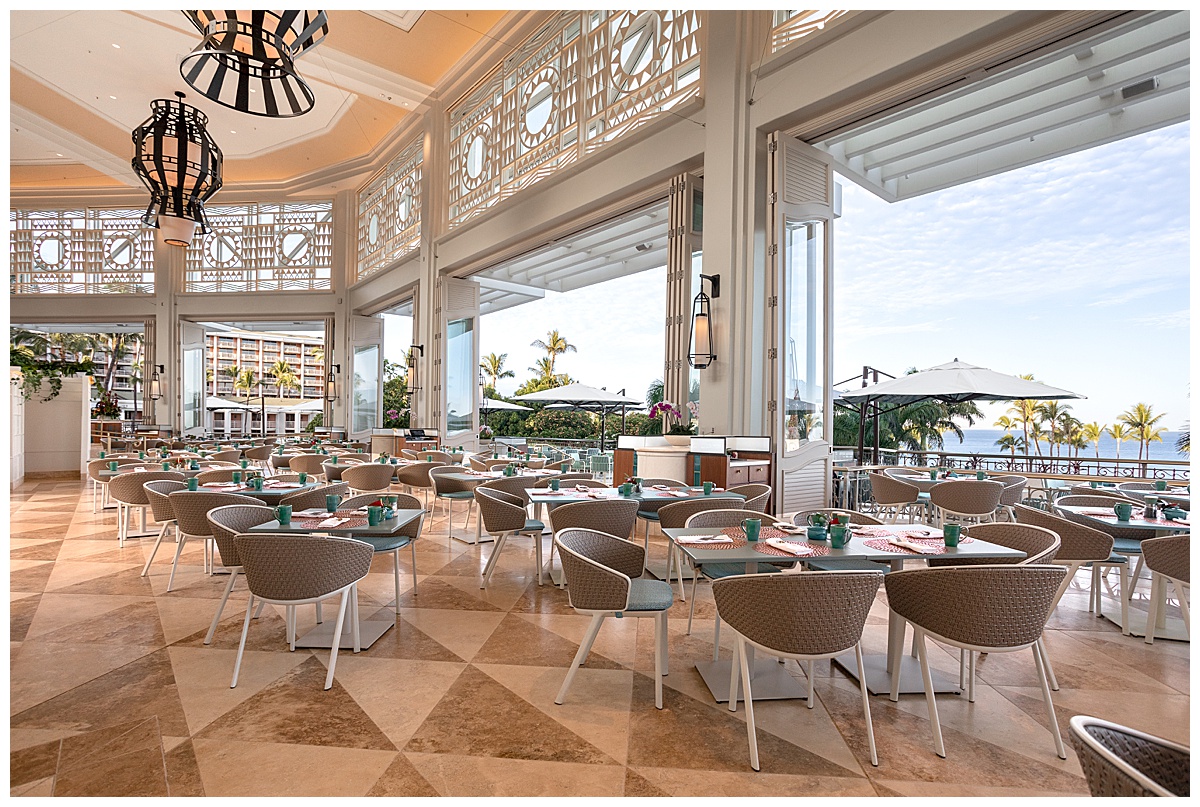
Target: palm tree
[317, 353]
[1183, 443]
[1025, 413]
[135, 378]
[554, 345]
[1052, 414]
[543, 369]
[246, 380]
[1141, 421]
[1092, 432]
[493, 367]
[281, 371]
[655, 392]
[1148, 435]
[1117, 432]
[1036, 433]
[1008, 442]
[234, 372]
[37, 342]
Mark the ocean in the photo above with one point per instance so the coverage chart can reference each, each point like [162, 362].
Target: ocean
[983, 441]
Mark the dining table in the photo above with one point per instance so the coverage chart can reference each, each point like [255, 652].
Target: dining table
[783, 542]
[271, 493]
[347, 523]
[1164, 627]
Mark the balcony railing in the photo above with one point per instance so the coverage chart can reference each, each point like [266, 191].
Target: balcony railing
[1105, 467]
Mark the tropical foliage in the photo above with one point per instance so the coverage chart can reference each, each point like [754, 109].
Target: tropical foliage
[916, 427]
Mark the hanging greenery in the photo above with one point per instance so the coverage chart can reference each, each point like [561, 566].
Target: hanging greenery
[35, 371]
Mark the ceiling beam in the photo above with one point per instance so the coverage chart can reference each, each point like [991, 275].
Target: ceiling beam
[71, 144]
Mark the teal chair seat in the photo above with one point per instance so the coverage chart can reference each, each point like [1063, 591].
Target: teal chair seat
[533, 525]
[384, 543]
[649, 515]
[649, 595]
[1127, 546]
[457, 494]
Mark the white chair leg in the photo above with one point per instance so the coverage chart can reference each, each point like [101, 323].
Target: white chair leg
[221, 606]
[396, 573]
[812, 700]
[237, 662]
[154, 551]
[660, 627]
[290, 621]
[180, 540]
[666, 665]
[692, 609]
[491, 564]
[1137, 571]
[355, 624]
[413, 549]
[962, 667]
[939, 748]
[537, 555]
[1123, 578]
[584, 647]
[749, 699]
[1041, 646]
[320, 618]
[866, 701]
[1156, 593]
[1041, 670]
[971, 654]
[734, 672]
[716, 637]
[337, 633]
[1094, 594]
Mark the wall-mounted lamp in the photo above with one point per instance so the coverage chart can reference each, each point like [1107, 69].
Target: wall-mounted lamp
[413, 381]
[331, 392]
[702, 354]
[156, 383]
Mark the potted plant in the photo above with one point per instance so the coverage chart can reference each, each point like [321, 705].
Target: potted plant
[678, 434]
[106, 407]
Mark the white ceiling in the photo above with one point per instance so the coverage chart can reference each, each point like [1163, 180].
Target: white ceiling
[1067, 101]
[625, 245]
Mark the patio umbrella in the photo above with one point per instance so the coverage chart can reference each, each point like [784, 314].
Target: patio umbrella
[585, 398]
[954, 382]
[315, 405]
[496, 404]
[213, 402]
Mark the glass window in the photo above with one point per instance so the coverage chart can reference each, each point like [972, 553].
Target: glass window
[461, 375]
[365, 403]
[803, 333]
[193, 387]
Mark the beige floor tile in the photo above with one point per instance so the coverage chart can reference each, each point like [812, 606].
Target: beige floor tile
[232, 768]
[457, 775]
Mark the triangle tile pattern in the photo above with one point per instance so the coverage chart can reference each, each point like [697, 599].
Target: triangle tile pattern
[114, 693]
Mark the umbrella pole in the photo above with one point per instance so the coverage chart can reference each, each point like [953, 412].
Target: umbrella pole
[875, 451]
[862, 433]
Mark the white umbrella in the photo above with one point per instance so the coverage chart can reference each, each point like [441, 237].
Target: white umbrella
[955, 382]
[315, 405]
[589, 399]
[213, 402]
[496, 404]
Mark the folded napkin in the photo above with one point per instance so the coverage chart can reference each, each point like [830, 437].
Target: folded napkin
[788, 546]
[661, 487]
[704, 539]
[222, 484]
[793, 529]
[312, 511]
[333, 522]
[679, 494]
[282, 485]
[907, 545]
[551, 492]
[583, 488]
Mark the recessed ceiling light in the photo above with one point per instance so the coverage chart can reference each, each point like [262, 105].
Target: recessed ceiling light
[113, 97]
[231, 131]
[115, 45]
[57, 154]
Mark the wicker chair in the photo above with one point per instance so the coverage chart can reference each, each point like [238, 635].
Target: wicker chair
[293, 570]
[408, 454]
[158, 495]
[648, 510]
[714, 571]
[789, 616]
[562, 466]
[126, 489]
[566, 476]
[450, 491]
[1012, 495]
[260, 456]
[1169, 561]
[229, 455]
[966, 500]
[988, 609]
[757, 496]
[841, 564]
[225, 523]
[286, 478]
[100, 484]
[1126, 541]
[416, 476]
[218, 475]
[612, 516]
[675, 515]
[304, 499]
[894, 497]
[191, 516]
[1120, 761]
[369, 477]
[310, 464]
[503, 514]
[1081, 546]
[496, 463]
[603, 577]
[476, 464]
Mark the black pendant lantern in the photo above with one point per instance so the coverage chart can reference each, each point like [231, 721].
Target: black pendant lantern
[179, 162]
[702, 354]
[246, 60]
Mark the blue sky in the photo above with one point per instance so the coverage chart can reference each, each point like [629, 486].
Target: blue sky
[1075, 270]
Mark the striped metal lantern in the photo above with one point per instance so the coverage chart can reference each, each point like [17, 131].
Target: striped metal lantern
[246, 60]
[180, 163]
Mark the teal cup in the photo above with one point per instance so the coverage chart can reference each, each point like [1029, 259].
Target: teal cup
[933, 474]
[112, 465]
[245, 463]
[818, 520]
[283, 514]
[751, 526]
[101, 455]
[395, 461]
[331, 502]
[981, 475]
[303, 478]
[374, 515]
[359, 451]
[816, 533]
[837, 536]
[1093, 484]
[1123, 510]
[193, 484]
[626, 488]
[553, 484]
[166, 466]
[708, 488]
[951, 533]
[237, 476]
[141, 455]
[1159, 484]
[333, 460]
[1173, 513]
[194, 465]
[257, 482]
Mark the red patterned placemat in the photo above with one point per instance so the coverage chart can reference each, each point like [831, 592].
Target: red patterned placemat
[763, 533]
[313, 522]
[882, 545]
[767, 549]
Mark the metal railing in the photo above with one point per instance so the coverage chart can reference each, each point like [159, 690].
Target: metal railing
[1102, 467]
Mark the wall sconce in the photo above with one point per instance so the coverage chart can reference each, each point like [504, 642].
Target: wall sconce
[702, 355]
[331, 382]
[156, 383]
[413, 380]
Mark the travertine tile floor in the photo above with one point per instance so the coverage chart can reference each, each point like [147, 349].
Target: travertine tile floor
[114, 693]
